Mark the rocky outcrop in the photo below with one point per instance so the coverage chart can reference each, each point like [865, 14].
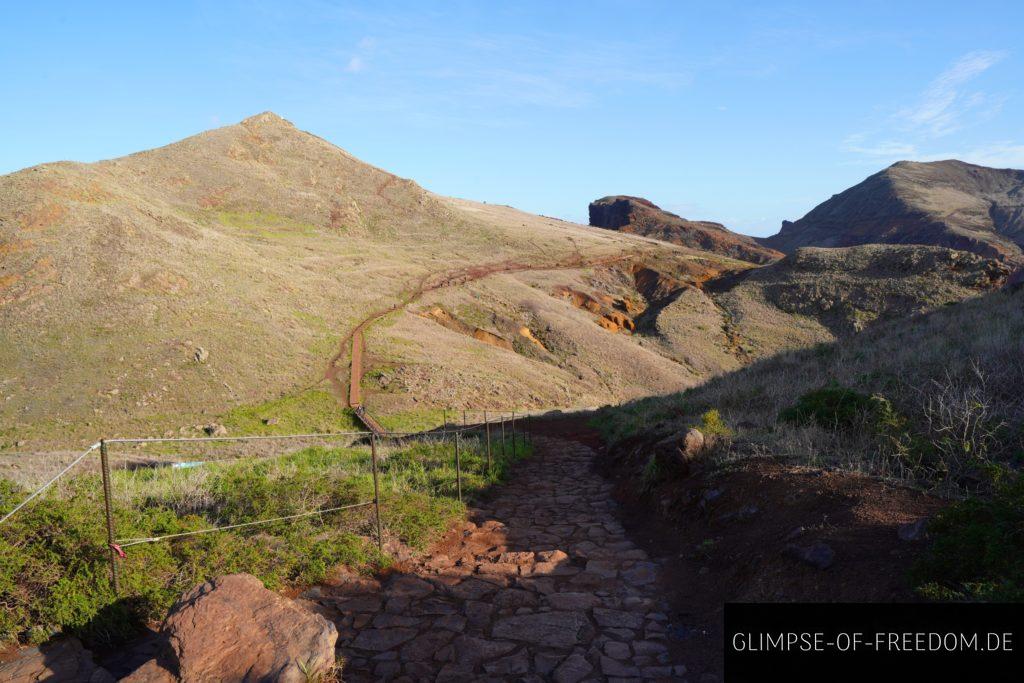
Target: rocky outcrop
[849, 289]
[59, 661]
[944, 203]
[446, 319]
[231, 628]
[642, 217]
[602, 306]
[681, 453]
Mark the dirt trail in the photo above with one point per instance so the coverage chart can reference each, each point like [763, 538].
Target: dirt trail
[542, 584]
[353, 344]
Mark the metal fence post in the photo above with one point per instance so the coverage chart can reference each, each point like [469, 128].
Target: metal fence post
[487, 430]
[376, 492]
[458, 465]
[444, 422]
[115, 575]
[464, 420]
[503, 436]
[513, 433]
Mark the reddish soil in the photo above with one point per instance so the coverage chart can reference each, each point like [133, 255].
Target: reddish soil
[724, 537]
[335, 371]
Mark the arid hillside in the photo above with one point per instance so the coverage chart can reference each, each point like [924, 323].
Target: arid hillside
[642, 217]
[164, 289]
[218, 281]
[944, 203]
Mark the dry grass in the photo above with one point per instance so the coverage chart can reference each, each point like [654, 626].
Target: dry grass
[259, 242]
[953, 374]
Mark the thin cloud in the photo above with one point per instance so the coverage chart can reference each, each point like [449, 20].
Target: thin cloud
[886, 148]
[947, 104]
[1007, 154]
[943, 105]
[355, 65]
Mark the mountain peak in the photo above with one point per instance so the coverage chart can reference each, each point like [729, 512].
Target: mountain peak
[267, 118]
[949, 203]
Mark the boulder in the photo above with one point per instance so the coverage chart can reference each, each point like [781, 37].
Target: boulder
[58, 661]
[817, 555]
[913, 531]
[231, 628]
[215, 429]
[681, 452]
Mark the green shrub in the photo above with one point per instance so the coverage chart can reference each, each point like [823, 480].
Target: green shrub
[832, 407]
[977, 549]
[712, 424]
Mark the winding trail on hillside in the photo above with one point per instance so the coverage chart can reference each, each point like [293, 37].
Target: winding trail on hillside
[353, 344]
[542, 584]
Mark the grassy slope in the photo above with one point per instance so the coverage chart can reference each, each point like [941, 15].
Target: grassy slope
[258, 242]
[53, 564]
[960, 358]
[264, 245]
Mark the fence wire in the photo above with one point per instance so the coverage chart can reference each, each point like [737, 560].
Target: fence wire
[171, 472]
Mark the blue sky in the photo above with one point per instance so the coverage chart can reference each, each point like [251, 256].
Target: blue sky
[745, 113]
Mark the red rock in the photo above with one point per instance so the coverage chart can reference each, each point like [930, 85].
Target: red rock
[59, 661]
[232, 628]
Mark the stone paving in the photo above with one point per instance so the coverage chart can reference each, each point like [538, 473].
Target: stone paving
[543, 585]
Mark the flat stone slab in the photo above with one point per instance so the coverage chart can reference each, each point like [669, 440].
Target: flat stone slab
[554, 629]
[379, 639]
[572, 601]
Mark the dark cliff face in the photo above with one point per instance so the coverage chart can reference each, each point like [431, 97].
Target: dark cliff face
[615, 212]
[943, 203]
[642, 217]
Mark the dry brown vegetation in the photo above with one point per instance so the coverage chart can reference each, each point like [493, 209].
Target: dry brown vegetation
[258, 242]
[938, 401]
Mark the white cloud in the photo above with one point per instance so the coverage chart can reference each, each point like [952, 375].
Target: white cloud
[943, 105]
[948, 104]
[1006, 154]
[859, 144]
[355, 65]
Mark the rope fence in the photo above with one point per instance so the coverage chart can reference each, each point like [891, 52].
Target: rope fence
[49, 483]
[437, 471]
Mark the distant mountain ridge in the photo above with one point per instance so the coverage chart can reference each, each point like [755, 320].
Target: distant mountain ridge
[944, 203]
[642, 217]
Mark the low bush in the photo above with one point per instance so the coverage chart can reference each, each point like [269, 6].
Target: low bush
[832, 407]
[977, 549]
[712, 424]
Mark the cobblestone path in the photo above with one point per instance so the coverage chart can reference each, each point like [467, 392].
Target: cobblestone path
[542, 585]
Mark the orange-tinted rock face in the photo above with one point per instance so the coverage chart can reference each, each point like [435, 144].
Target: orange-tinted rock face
[492, 339]
[527, 333]
[601, 305]
[446, 319]
[621, 320]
